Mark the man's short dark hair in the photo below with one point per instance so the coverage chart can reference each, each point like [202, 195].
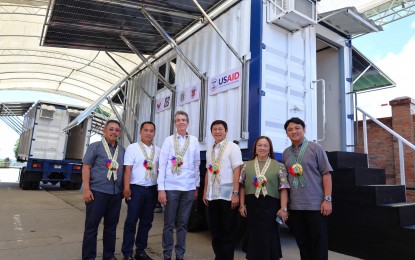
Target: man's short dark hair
[219, 122]
[112, 121]
[294, 120]
[145, 123]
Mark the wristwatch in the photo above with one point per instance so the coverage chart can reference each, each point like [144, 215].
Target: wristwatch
[285, 209]
[328, 198]
[235, 193]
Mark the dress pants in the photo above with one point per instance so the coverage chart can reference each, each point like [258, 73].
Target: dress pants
[310, 231]
[105, 206]
[140, 207]
[176, 212]
[223, 220]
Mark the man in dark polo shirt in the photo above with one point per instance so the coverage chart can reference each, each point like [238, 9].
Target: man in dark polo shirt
[102, 177]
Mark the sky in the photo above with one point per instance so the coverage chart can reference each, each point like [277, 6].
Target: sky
[392, 50]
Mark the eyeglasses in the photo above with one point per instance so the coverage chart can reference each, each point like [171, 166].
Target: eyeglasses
[114, 129]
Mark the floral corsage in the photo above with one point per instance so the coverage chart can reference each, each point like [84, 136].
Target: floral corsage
[297, 171]
[176, 162]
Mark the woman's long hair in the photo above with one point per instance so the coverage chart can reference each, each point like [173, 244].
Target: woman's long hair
[271, 149]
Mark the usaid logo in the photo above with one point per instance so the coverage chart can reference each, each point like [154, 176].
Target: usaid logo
[227, 80]
[214, 84]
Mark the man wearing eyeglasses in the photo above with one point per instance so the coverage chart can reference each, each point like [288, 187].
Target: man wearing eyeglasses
[102, 177]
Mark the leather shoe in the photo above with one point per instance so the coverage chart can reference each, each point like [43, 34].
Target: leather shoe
[142, 256]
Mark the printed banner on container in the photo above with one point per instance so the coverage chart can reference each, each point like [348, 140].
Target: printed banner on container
[163, 103]
[189, 94]
[225, 81]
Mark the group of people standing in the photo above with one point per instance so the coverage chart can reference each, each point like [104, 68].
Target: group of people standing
[297, 191]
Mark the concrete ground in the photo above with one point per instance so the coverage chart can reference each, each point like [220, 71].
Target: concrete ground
[48, 224]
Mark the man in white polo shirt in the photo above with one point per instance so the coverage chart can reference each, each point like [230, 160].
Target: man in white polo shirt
[140, 191]
[178, 181]
[221, 193]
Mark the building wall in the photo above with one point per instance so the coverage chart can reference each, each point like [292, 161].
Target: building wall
[380, 146]
[383, 148]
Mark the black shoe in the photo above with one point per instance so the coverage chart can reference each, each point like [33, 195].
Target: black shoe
[128, 257]
[143, 256]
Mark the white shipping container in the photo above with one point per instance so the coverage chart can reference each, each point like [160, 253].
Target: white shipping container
[43, 136]
[287, 72]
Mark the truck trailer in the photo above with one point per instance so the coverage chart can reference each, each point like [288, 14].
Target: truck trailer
[52, 155]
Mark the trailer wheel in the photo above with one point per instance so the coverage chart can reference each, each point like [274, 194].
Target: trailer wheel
[20, 177]
[25, 185]
[35, 185]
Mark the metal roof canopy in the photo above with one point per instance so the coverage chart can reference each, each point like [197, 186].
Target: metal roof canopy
[348, 21]
[98, 24]
[381, 12]
[366, 75]
[159, 22]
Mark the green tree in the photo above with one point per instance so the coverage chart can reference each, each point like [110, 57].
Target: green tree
[16, 148]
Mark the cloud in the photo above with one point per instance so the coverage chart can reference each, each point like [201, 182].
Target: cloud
[400, 68]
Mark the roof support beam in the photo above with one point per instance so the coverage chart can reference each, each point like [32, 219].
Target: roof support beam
[130, 139]
[116, 62]
[218, 31]
[173, 44]
[149, 65]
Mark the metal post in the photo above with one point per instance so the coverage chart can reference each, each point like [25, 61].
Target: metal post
[150, 66]
[401, 162]
[323, 103]
[172, 43]
[366, 150]
[129, 106]
[172, 111]
[202, 111]
[245, 98]
[130, 139]
[218, 31]
[116, 62]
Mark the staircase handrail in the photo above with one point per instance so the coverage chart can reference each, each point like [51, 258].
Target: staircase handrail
[401, 141]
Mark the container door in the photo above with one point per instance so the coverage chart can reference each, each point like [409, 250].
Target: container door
[49, 140]
[288, 64]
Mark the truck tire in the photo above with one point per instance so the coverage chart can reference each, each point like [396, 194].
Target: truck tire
[20, 177]
[34, 185]
[25, 185]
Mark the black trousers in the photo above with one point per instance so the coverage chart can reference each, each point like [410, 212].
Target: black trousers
[223, 222]
[310, 231]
